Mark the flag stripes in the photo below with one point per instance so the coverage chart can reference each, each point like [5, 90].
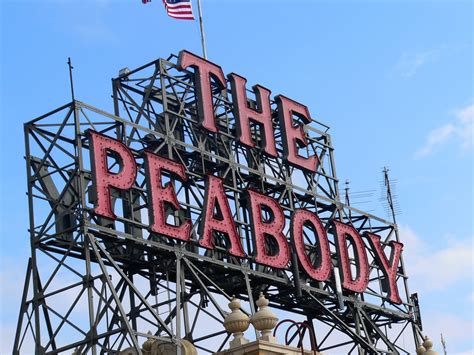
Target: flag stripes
[179, 9]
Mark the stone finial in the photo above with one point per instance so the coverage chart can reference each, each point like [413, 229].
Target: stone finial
[188, 348]
[428, 344]
[146, 347]
[420, 350]
[264, 320]
[236, 323]
[160, 347]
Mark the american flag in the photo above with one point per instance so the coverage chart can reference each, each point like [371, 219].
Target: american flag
[180, 9]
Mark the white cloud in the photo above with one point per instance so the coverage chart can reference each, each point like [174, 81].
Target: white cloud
[460, 130]
[436, 137]
[466, 119]
[436, 273]
[94, 28]
[409, 63]
[437, 269]
[95, 31]
[454, 329]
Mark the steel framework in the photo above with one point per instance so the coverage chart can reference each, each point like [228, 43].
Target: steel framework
[99, 286]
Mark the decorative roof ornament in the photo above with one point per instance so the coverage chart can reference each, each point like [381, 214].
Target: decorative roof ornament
[425, 348]
[428, 344]
[420, 350]
[264, 320]
[146, 347]
[236, 323]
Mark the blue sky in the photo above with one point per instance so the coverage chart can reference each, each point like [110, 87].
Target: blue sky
[393, 80]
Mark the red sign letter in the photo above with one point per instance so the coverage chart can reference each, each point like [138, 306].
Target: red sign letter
[389, 268]
[323, 265]
[264, 229]
[223, 222]
[104, 180]
[361, 281]
[203, 70]
[293, 136]
[160, 195]
[244, 114]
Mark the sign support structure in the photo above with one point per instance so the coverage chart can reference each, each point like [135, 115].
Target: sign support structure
[99, 285]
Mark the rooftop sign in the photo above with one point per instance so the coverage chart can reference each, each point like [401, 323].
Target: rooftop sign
[278, 232]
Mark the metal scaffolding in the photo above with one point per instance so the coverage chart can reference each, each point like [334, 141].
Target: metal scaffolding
[99, 286]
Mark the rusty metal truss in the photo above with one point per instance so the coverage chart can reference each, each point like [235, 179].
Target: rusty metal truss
[99, 286]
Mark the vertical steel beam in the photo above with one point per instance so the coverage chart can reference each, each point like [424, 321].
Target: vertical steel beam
[23, 309]
[178, 304]
[33, 242]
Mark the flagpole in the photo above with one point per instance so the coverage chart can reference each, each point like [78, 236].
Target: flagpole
[203, 37]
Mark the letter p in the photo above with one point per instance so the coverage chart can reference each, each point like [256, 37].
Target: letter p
[104, 180]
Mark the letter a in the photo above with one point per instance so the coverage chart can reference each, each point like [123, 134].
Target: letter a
[223, 222]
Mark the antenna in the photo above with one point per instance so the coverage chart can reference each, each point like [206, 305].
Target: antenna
[71, 82]
[346, 189]
[389, 196]
[348, 201]
[356, 198]
[444, 344]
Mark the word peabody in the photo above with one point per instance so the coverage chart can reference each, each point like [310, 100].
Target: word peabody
[162, 197]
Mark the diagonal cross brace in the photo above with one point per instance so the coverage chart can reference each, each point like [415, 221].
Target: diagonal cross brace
[96, 246]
